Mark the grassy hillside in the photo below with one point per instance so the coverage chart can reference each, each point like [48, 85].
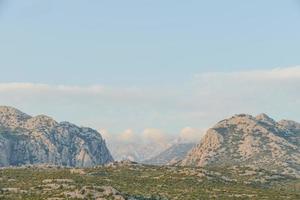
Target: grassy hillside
[146, 182]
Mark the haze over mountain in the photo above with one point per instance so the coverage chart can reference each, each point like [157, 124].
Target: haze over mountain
[130, 145]
[171, 155]
[42, 140]
[258, 141]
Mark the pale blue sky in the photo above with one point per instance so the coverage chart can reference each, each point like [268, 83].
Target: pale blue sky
[147, 55]
[143, 42]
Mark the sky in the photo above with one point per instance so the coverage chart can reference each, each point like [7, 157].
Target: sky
[143, 65]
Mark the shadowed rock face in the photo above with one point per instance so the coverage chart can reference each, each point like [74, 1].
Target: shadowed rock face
[42, 140]
[246, 140]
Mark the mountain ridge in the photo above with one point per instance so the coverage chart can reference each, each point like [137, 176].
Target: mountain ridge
[42, 140]
[247, 140]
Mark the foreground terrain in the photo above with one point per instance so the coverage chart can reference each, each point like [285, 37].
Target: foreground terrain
[134, 181]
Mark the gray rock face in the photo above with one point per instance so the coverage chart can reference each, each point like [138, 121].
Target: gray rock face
[246, 140]
[42, 140]
[171, 155]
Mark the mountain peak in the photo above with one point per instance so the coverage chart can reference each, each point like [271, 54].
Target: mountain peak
[11, 117]
[49, 142]
[246, 140]
[265, 118]
[40, 121]
[8, 110]
[289, 124]
[236, 119]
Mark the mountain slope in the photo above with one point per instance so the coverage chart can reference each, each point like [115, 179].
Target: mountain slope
[246, 140]
[171, 155]
[42, 140]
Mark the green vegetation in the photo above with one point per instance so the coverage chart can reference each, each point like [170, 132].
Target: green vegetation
[141, 182]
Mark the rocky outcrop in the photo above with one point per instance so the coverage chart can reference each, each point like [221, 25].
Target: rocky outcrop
[42, 140]
[254, 141]
[171, 155]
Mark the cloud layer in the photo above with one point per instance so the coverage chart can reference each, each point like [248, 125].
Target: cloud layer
[277, 74]
[199, 103]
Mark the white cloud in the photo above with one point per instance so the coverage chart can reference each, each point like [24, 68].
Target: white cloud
[219, 95]
[22, 86]
[278, 74]
[155, 135]
[189, 134]
[136, 146]
[38, 87]
[127, 136]
[147, 136]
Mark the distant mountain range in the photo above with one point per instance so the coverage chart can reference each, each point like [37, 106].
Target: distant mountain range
[250, 141]
[41, 140]
[171, 155]
[134, 151]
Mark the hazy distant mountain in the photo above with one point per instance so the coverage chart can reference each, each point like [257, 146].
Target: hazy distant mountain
[148, 143]
[246, 140]
[41, 140]
[171, 155]
[134, 151]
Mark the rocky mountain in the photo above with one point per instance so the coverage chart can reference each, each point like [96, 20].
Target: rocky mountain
[251, 141]
[42, 140]
[171, 155]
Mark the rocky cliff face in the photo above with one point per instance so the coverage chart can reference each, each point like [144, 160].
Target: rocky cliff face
[246, 140]
[42, 140]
